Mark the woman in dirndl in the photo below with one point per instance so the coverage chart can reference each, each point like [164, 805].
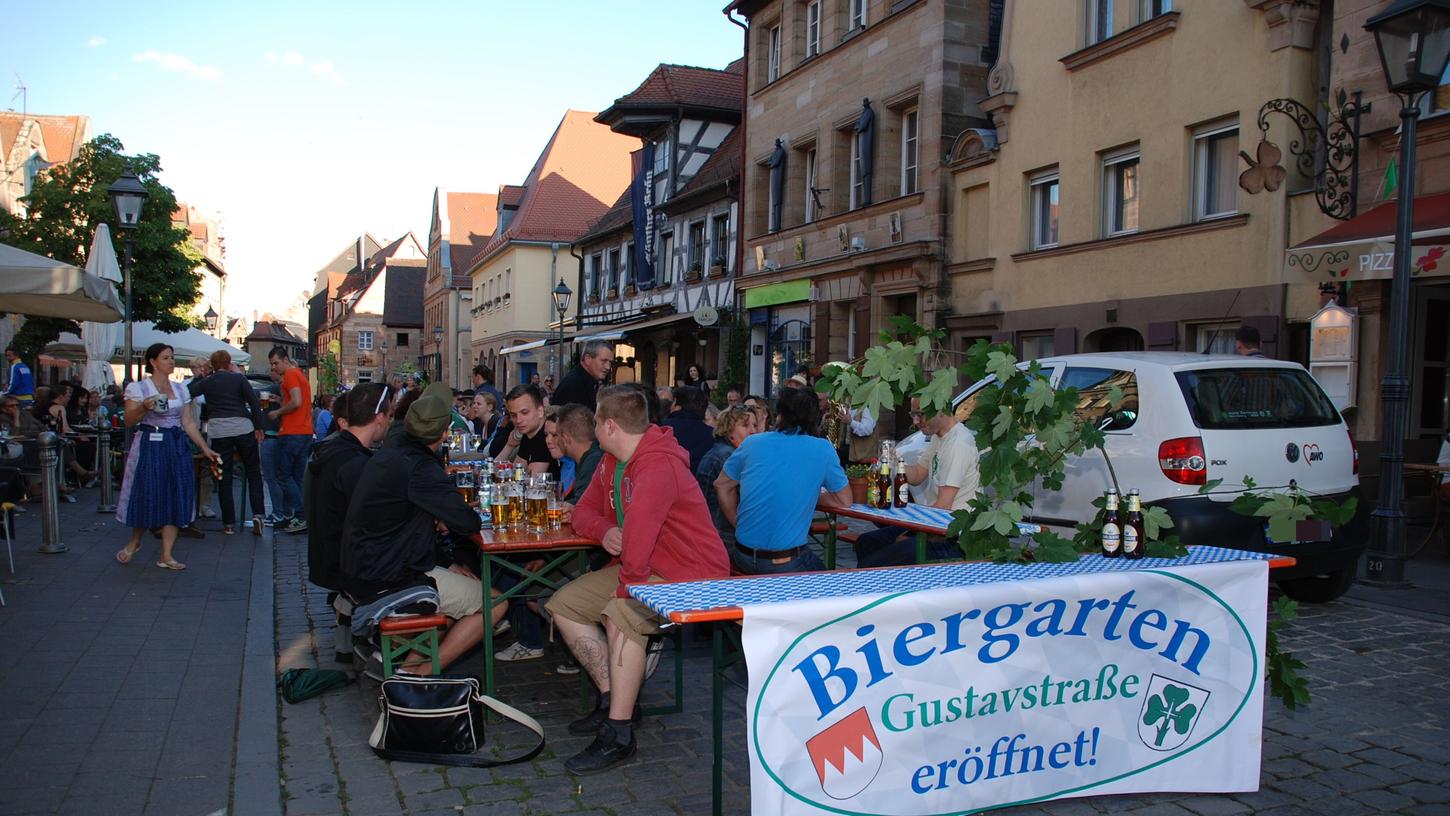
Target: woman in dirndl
[159, 486]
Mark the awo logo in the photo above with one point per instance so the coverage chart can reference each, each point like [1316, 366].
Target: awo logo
[847, 756]
[1312, 453]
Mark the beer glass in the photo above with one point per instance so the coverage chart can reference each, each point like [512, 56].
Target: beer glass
[555, 510]
[536, 502]
[499, 507]
[515, 491]
[466, 484]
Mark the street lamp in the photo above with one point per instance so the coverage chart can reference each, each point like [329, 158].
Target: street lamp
[561, 295]
[128, 196]
[1413, 38]
[383, 350]
[438, 347]
[210, 318]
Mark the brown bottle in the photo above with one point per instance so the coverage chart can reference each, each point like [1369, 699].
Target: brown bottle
[900, 495]
[883, 485]
[1133, 540]
[1112, 535]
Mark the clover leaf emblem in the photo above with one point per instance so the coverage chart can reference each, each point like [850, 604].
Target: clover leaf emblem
[1170, 709]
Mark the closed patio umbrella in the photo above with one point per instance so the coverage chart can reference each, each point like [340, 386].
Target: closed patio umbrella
[33, 284]
[101, 339]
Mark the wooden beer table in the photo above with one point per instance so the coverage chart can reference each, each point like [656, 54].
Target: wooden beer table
[921, 519]
[724, 600]
[557, 548]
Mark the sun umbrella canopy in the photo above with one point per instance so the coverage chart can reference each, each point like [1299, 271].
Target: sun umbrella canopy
[186, 345]
[101, 339]
[33, 284]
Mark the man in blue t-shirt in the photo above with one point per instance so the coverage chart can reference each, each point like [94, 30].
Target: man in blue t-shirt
[770, 487]
[22, 382]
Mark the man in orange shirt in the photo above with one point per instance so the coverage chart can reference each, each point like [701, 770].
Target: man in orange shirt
[294, 438]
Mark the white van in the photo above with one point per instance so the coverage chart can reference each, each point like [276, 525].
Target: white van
[1187, 419]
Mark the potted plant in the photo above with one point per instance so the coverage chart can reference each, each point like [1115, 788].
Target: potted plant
[613, 293]
[857, 474]
[717, 266]
[630, 290]
[693, 274]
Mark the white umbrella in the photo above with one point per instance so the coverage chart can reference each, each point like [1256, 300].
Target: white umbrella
[186, 345]
[33, 284]
[101, 339]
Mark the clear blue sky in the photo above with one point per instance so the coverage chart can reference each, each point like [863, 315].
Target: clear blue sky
[305, 122]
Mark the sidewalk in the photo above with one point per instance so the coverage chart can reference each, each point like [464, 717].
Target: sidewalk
[127, 689]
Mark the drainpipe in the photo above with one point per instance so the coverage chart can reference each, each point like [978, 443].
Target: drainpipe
[744, 121]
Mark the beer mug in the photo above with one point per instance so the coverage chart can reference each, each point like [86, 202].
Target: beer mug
[536, 506]
[161, 404]
[466, 485]
[499, 507]
[555, 510]
[515, 492]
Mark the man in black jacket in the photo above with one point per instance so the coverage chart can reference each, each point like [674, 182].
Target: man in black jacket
[688, 423]
[402, 499]
[582, 382]
[334, 468]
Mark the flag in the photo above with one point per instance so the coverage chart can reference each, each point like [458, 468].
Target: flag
[1392, 178]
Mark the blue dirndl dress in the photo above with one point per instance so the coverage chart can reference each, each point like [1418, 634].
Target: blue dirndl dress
[159, 485]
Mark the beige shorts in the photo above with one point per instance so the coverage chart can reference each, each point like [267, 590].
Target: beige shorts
[459, 595]
[590, 598]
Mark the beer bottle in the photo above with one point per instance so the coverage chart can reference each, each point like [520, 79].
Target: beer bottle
[871, 489]
[900, 495]
[883, 484]
[1133, 541]
[1112, 536]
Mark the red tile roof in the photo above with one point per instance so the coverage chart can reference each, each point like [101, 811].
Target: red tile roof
[509, 195]
[63, 135]
[686, 85]
[472, 220]
[583, 167]
[620, 216]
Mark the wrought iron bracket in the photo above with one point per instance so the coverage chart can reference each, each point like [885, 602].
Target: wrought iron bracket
[1328, 152]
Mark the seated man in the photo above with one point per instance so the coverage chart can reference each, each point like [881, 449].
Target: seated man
[770, 486]
[644, 507]
[949, 467]
[389, 534]
[571, 432]
[525, 442]
[687, 420]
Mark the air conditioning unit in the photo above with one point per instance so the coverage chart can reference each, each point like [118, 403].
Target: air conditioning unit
[858, 243]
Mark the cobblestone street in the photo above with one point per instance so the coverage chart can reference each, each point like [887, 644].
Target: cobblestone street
[1374, 740]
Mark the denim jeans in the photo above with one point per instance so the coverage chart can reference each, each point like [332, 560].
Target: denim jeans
[896, 547]
[806, 561]
[291, 466]
[270, 476]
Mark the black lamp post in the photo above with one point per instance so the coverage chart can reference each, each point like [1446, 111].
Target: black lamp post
[438, 347]
[1413, 38]
[383, 350]
[128, 196]
[210, 317]
[561, 295]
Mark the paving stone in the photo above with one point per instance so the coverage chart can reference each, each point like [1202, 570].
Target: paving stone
[1424, 792]
[1212, 805]
[1383, 800]
[1327, 759]
[1384, 757]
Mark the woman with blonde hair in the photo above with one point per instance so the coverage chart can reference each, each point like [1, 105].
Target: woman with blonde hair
[158, 489]
[731, 427]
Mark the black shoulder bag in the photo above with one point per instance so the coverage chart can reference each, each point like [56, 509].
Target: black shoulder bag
[439, 721]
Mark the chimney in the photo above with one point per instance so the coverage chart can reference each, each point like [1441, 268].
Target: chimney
[359, 255]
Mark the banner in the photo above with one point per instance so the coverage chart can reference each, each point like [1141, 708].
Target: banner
[944, 701]
[641, 203]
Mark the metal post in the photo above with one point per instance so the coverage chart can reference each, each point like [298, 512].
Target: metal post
[50, 494]
[130, 352]
[1385, 563]
[103, 446]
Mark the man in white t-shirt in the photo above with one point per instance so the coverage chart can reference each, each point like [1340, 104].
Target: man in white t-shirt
[949, 467]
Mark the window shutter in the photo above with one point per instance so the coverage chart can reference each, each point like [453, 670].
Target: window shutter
[1064, 341]
[864, 335]
[822, 331]
[1163, 336]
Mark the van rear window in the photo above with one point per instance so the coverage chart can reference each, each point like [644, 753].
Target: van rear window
[1237, 398]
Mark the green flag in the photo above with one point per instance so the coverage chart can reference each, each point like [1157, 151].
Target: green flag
[1392, 177]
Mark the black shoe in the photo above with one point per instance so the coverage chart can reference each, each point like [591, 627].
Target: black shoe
[594, 721]
[191, 531]
[605, 752]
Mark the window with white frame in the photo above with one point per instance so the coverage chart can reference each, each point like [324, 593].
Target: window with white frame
[696, 246]
[1042, 195]
[1214, 338]
[810, 185]
[909, 151]
[364, 376]
[772, 56]
[1099, 20]
[813, 28]
[508, 285]
[858, 14]
[364, 341]
[858, 177]
[1153, 8]
[1120, 191]
[1215, 171]
[665, 267]
[1036, 345]
[720, 238]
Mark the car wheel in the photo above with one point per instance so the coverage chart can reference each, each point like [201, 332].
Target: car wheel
[1319, 588]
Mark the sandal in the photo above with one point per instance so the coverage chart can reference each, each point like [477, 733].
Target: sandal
[171, 564]
[125, 554]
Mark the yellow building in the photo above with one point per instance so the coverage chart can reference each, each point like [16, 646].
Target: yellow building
[1105, 209]
[579, 173]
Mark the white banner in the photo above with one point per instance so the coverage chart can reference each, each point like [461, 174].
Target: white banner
[950, 700]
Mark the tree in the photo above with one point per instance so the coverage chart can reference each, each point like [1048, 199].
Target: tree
[64, 208]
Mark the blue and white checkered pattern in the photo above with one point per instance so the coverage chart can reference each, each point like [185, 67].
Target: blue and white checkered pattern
[913, 513]
[697, 596]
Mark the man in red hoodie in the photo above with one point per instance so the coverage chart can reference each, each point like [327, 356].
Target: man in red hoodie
[646, 509]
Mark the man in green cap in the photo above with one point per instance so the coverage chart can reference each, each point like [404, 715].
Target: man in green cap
[390, 539]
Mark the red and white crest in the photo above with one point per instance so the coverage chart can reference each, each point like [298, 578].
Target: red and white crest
[847, 756]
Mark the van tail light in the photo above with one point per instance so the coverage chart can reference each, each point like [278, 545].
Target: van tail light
[1182, 460]
[1355, 450]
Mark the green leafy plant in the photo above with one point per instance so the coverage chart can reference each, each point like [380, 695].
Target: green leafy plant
[327, 373]
[1281, 667]
[736, 369]
[859, 470]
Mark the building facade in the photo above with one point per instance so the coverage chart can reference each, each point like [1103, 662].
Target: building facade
[332, 284]
[268, 333]
[580, 171]
[208, 240]
[667, 308]
[380, 307]
[462, 225]
[850, 106]
[30, 143]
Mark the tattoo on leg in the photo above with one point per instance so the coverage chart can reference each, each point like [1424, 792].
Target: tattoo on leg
[593, 654]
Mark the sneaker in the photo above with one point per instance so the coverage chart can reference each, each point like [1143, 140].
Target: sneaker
[273, 520]
[567, 668]
[257, 523]
[296, 525]
[592, 722]
[518, 651]
[68, 498]
[503, 627]
[605, 752]
[652, 654]
[206, 512]
[373, 667]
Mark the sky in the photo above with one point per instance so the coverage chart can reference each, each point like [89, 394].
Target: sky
[304, 123]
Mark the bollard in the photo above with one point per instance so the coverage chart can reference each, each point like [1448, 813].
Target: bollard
[50, 494]
[108, 497]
